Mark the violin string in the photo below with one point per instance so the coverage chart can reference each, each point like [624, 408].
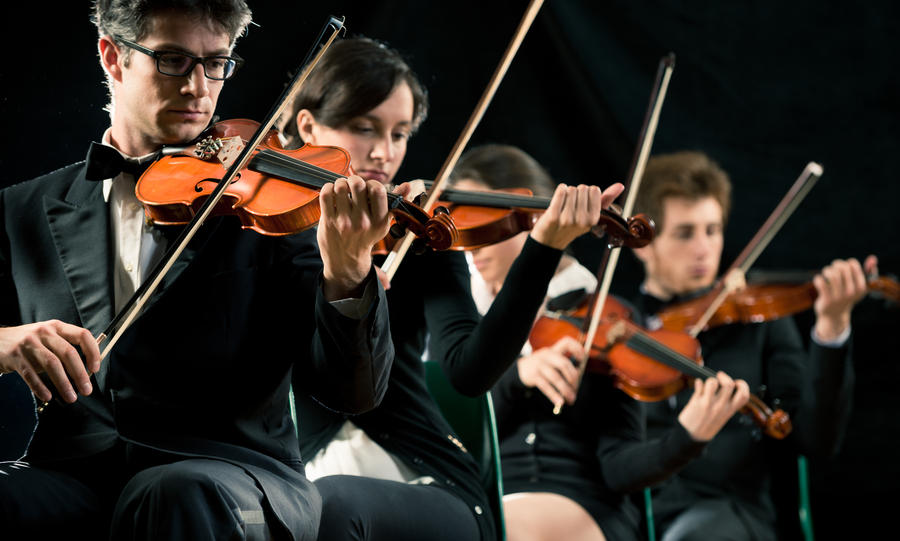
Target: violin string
[658, 351]
[268, 157]
[313, 171]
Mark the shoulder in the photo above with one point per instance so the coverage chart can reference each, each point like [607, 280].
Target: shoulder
[54, 183]
[573, 277]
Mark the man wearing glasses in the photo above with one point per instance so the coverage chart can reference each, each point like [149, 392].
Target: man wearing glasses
[183, 431]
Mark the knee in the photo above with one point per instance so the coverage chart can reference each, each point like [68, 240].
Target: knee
[706, 526]
[172, 483]
[175, 498]
[343, 512]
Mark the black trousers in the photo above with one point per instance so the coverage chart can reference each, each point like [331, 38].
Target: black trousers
[362, 508]
[714, 520]
[195, 499]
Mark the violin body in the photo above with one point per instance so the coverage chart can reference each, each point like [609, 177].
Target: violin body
[481, 226]
[174, 187]
[638, 375]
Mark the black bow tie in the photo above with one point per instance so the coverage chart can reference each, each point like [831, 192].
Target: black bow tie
[104, 162]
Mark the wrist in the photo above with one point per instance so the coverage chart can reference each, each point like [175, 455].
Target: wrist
[345, 284]
[548, 240]
[828, 328]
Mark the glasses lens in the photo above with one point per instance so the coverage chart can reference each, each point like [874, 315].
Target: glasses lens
[219, 67]
[174, 63]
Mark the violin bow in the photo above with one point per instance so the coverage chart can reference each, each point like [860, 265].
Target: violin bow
[137, 301]
[734, 278]
[636, 172]
[395, 257]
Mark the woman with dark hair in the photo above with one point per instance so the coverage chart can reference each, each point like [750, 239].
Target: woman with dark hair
[567, 475]
[399, 472]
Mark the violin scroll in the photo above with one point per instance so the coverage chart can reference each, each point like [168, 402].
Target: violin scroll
[438, 230]
[635, 232]
[776, 424]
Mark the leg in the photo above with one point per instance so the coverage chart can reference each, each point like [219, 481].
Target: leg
[707, 520]
[538, 516]
[201, 499]
[356, 508]
[43, 504]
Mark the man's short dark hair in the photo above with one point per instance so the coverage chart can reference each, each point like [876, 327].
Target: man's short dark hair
[131, 19]
[687, 174]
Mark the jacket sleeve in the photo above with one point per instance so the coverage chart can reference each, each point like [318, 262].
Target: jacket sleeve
[352, 356]
[814, 386]
[476, 351]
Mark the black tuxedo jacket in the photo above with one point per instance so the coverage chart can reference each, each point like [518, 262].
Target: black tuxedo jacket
[206, 368]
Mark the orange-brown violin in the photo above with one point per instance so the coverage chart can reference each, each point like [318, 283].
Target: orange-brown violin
[756, 303]
[647, 365]
[276, 194]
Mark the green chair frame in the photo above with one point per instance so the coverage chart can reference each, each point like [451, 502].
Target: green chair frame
[803, 507]
[475, 425]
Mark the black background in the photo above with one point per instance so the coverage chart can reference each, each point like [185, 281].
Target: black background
[763, 87]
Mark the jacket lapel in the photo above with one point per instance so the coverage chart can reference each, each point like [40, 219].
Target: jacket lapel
[79, 226]
[80, 232]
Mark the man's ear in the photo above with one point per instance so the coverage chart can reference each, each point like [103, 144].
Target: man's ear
[110, 58]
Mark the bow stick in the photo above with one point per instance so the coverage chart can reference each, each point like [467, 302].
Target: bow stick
[734, 278]
[395, 257]
[638, 163]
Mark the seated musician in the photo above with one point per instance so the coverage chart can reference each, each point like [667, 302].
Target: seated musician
[724, 494]
[399, 471]
[568, 476]
[183, 430]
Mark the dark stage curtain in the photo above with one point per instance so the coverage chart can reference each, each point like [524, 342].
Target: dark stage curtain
[763, 87]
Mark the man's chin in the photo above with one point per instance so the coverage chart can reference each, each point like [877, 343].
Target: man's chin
[183, 133]
[698, 284]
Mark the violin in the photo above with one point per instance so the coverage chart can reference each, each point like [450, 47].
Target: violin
[647, 365]
[276, 194]
[756, 303]
[487, 217]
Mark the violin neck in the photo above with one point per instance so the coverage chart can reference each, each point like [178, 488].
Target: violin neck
[299, 172]
[494, 199]
[656, 350]
[290, 169]
[885, 287]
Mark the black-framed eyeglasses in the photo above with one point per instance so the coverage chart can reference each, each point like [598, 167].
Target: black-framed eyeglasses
[175, 64]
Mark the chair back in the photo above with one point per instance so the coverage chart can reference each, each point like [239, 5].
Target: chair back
[475, 425]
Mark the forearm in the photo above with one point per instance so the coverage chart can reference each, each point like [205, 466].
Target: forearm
[826, 406]
[352, 355]
[635, 465]
[478, 361]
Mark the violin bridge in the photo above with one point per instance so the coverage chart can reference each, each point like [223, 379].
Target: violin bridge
[615, 332]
